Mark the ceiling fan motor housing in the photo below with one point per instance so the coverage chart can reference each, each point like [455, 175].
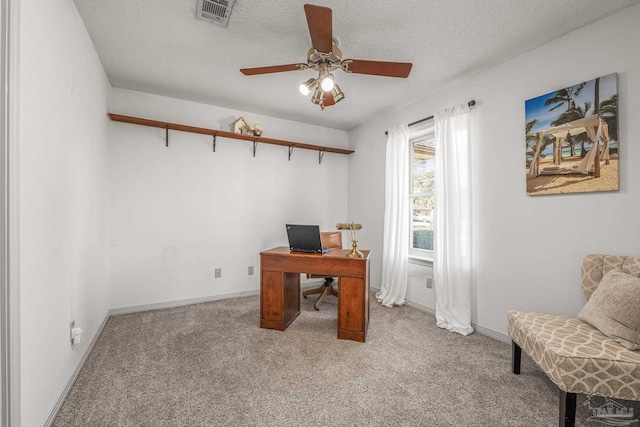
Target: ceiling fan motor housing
[332, 59]
[216, 11]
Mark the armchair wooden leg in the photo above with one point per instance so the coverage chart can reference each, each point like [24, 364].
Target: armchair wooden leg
[516, 355]
[567, 408]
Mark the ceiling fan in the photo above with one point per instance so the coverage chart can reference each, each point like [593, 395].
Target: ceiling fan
[325, 57]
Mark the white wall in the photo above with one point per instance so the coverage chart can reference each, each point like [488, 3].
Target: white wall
[178, 213]
[63, 186]
[527, 250]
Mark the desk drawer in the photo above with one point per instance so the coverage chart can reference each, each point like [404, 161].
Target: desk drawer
[316, 264]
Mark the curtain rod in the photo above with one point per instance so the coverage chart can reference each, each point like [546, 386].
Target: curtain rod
[470, 104]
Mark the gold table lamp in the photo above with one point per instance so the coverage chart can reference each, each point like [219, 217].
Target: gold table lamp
[354, 253]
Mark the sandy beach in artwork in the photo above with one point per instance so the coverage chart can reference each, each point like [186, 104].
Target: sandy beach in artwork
[559, 184]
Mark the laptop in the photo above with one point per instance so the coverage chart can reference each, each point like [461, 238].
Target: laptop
[305, 238]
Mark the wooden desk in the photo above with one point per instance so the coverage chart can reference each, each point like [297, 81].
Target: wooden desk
[280, 288]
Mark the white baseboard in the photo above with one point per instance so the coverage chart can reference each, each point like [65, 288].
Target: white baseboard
[170, 304]
[179, 303]
[479, 329]
[56, 408]
[491, 333]
[422, 307]
[189, 301]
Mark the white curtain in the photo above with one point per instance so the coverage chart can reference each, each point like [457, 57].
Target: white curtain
[395, 250]
[452, 237]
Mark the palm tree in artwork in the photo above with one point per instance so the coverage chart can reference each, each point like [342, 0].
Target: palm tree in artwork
[532, 139]
[609, 112]
[565, 96]
[574, 113]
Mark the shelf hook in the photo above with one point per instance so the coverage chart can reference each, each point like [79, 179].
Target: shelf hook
[166, 136]
[215, 135]
[320, 156]
[291, 147]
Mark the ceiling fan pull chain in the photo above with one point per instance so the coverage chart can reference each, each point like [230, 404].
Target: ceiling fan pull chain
[215, 135]
[166, 136]
[255, 143]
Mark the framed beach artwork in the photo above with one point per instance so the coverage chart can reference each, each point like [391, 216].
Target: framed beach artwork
[571, 138]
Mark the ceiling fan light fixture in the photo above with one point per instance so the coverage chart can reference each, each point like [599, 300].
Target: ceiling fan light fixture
[337, 94]
[318, 95]
[306, 87]
[327, 83]
[324, 56]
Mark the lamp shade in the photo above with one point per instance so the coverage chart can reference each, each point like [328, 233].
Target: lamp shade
[306, 87]
[337, 94]
[317, 96]
[327, 83]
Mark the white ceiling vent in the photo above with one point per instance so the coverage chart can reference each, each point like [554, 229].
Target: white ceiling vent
[216, 11]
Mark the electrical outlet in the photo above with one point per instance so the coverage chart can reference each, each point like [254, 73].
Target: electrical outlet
[250, 270]
[429, 282]
[218, 273]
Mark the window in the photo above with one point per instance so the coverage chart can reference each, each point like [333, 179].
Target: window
[421, 200]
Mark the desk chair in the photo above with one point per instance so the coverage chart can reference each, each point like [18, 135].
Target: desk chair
[330, 239]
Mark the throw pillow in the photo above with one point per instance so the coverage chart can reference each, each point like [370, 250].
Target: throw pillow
[614, 308]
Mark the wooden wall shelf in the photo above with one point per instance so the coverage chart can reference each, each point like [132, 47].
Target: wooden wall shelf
[215, 133]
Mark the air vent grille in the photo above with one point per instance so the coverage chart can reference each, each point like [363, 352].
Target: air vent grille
[216, 11]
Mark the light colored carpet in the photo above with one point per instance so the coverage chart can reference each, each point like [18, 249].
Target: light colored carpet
[211, 365]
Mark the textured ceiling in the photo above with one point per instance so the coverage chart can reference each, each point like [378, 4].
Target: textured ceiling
[158, 46]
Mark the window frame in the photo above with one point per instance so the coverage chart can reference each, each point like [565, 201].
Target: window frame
[418, 133]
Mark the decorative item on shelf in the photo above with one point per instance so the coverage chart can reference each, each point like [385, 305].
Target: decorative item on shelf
[256, 129]
[354, 253]
[240, 126]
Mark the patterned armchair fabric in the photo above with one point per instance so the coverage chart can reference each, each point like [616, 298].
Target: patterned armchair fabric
[596, 266]
[577, 357]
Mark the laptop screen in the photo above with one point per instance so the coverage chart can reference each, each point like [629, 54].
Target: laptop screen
[304, 238]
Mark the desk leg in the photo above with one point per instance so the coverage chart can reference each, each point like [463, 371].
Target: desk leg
[279, 299]
[353, 309]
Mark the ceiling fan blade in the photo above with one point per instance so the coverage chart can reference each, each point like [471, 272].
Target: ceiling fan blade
[380, 68]
[320, 27]
[328, 99]
[272, 69]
